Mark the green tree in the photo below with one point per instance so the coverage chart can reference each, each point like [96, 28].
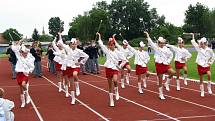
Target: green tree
[35, 35]
[12, 35]
[45, 38]
[55, 25]
[197, 19]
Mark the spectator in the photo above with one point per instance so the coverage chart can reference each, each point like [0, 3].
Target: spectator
[12, 59]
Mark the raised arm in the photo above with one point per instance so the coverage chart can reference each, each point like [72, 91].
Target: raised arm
[103, 47]
[153, 45]
[194, 43]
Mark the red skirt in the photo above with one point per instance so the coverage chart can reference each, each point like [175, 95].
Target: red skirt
[179, 65]
[161, 68]
[58, 66]
[69, 71]
[20, 77]
[110, 72]
[141, 70]
[127, 63]
[203, 70]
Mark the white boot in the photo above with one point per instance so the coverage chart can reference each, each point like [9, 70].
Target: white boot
[73, 97]
[59, 87]
[161, 96]
[77, 88]
[22, 97]
[111, 100]
[178, 84]
[127, 78]
[144, 83]
[66, 91]
[202, 90]
[167, 84]
[122, 83]
[27, 86]
[27, 97]
[116, 93]
[140, 88]
[185, 79]
[209, 88]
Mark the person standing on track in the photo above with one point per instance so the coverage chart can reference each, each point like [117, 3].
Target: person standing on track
[60, 56]
[141, 59]
[6, 107]
[12, 60]
[75, 57]
[181, 57]
[204, 60]
[112, 66]
[128, 54]
[24, 66]
[163, 57]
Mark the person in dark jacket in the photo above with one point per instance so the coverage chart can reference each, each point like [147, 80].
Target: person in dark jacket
[93, 58]
[12, 59]
[51, 56]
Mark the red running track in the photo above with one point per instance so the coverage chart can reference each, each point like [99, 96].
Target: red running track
[92, 104]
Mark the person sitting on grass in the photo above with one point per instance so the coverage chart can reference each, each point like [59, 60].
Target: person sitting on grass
[6, 107]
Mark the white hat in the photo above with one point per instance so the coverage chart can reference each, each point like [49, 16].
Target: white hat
[142, 44]
[180, 39]
[73, 41]
[24, 49]
[125, 42]
[161, 39]
[203, 39]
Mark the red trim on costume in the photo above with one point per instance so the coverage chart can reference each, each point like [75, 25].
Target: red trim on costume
[141, 70]
[179, 65]
[58, 66]
[161, 68]
[69, 71]
[20, 77]
[203, 70]
[127, 63]
[110, 72]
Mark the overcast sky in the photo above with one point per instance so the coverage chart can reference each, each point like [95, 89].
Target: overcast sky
[25, 15]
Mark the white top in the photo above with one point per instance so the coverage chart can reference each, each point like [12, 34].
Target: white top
[127, 53]
[181, 54]
[24, 64]
[141, 57]
[73, 56]
[112, 57]
[162, 55]
[60, 55]
[7, 106]
[205, 56]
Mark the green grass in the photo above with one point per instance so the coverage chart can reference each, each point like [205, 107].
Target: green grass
[3, 56]
[192, 66]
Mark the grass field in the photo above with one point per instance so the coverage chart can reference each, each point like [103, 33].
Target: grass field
[192, 66]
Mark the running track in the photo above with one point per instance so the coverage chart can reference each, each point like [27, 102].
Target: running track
[92, 105]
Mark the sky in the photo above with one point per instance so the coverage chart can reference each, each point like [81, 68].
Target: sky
[25, 15]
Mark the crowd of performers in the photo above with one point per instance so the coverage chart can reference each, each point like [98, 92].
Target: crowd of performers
[68, 60]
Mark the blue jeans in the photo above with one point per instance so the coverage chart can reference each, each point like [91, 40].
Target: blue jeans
[13, 70]
[94, 65]
[52, 66]
[37, 69]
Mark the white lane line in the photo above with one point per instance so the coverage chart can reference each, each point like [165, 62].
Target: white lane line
[85, 105]
[36, 110]
[210, 108]
[35, 85]
[132, 102]
[187, 117]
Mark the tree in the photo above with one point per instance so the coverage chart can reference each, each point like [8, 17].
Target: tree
[35, 35]
[45, 38]
[12, 35]
[196, 19]
[55, 25]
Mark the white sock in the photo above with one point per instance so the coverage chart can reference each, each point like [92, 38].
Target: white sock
[161, 96]
[209, 88]
[202, 90]
[27, 97]
[122, 83]
[167, 83]
[73, 97]
[111, 99]
[178, 84]
[67, 91]
[185, 79]
[116, 93]
[144, 82]
[59, 87]
[140, 88]
[127, 78]
[22, 97]
[77, 88]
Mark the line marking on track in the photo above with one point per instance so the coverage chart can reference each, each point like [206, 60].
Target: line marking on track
[36, 110]
[186, 117]
[35, 85]
[213, 109]
[85, 105]
[132, 102]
